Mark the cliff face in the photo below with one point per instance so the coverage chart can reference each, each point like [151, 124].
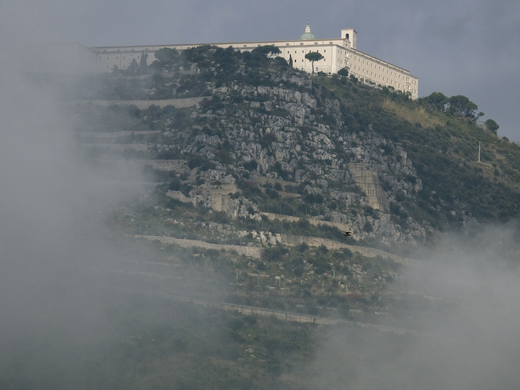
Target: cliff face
[266, 138]
[286, 134]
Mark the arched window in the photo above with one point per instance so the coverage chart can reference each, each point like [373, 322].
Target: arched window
[347, 36]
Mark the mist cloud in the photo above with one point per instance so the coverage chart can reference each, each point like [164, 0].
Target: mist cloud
[51, 235]
[461, 309]
[53, 313]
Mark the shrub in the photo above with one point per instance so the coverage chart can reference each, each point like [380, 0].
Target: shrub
[321, 265]
[273, 194]
[235, 324]
[250, 165]
[343, 72]
[195, 161]
[323, 249]
[303, 246]
[298, 267]
[175, 185]
[275, 253]
[313, 198]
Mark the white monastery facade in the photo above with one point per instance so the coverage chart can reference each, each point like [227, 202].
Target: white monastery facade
[338, 53]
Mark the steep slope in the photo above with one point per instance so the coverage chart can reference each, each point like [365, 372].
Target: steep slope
[249, 152]
[269, 142]
[444, 149]
[254, 170]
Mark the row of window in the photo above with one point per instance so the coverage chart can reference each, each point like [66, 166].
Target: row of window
[303, 51]
[118, 50]
[288, 44]
[379, 67]
[398, 85]
[302, 61]
[108, 58]
[407, 78]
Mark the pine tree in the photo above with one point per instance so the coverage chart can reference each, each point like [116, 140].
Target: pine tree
[134, 65]
[313, 57]
[143, 63]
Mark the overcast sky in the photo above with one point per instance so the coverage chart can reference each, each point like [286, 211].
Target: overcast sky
[455, 47]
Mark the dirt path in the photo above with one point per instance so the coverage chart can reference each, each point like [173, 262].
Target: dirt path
[283, 315]
[286, 239]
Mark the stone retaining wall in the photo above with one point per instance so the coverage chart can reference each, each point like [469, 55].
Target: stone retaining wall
[178, 166]
[181, 197]
[263, 180]
[294, 240]
[251, 251]
[316, 222]
[287, 316]
[368, 181]
[285, 239]
[142, 104]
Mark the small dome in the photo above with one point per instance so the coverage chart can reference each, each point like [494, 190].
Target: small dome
[307, 35]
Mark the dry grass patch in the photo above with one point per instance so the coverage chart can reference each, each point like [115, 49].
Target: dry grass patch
[413, 115]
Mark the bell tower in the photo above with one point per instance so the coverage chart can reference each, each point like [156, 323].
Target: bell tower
[350, 35]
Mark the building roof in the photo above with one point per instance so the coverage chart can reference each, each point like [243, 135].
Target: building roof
[307, 35]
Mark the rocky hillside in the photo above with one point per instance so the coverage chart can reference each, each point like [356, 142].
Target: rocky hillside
[269, 142]
[233, 263]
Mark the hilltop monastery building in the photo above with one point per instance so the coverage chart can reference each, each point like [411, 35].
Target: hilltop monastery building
[338, 53]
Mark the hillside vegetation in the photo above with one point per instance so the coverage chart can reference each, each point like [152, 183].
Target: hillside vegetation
[274, 158]
[444, 149]
[261, 118]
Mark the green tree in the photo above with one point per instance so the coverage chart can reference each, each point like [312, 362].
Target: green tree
[343, 72]
[461, 105]
[290, 61]
[166, 54]
[436, 100]
[166, 57]
[268, 50]
[313, 57]
[133, 65]
[143, 63]
[491, 125]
